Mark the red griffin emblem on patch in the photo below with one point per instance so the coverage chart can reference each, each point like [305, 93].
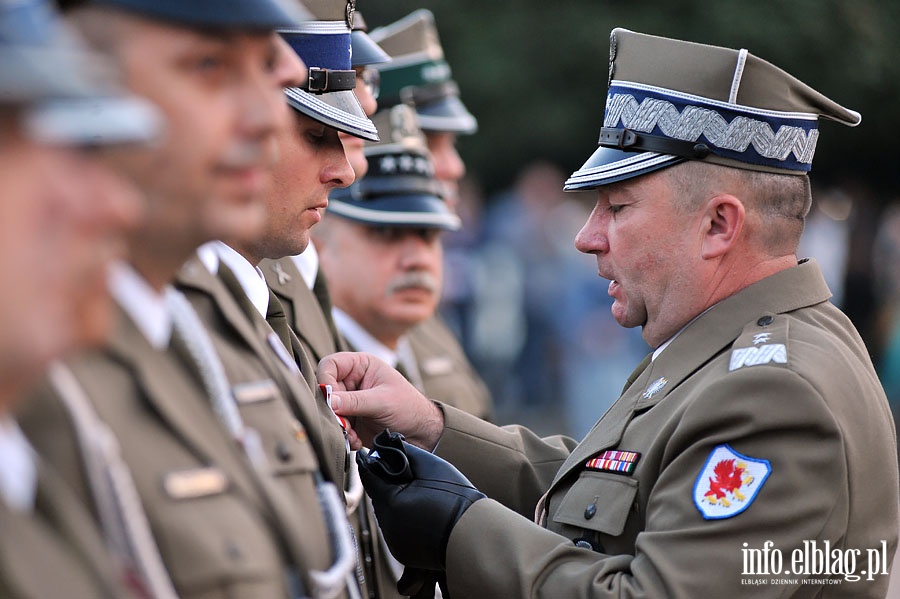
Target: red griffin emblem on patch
[727, 481]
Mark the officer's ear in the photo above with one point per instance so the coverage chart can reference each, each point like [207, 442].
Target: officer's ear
[723, 221]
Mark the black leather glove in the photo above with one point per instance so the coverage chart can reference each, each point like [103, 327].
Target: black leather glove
[417, 583]
[418, 498]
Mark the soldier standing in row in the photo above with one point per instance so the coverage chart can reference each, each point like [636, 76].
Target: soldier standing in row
[64, 215]
[209, 487]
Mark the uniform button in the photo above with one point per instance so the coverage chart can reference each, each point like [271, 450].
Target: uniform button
[282, 451]
[589, 511]
[765, 321]
[584, 544]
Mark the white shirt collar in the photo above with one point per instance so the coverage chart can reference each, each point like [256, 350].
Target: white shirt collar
[249, 276]
[142, 303]
[308, 264]
[361, 339]
[18, 467]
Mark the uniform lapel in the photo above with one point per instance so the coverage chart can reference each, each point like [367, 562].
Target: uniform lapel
[180, 402]
[196, 277]
[300, 305]
[608, 431]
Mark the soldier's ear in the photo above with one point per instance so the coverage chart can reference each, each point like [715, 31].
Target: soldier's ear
[723, 221]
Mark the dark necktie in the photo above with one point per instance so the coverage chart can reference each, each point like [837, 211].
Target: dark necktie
[320, 290]
[278, 321]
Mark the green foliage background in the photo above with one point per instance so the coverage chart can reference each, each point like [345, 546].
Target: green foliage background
[534, 72]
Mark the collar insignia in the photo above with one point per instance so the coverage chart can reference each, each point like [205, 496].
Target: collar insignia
[655, 387]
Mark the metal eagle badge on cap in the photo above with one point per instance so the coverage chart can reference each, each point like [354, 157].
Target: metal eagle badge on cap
[728, 483]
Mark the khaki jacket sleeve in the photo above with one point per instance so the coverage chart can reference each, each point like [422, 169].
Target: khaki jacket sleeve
[509, 464]
[780, 417]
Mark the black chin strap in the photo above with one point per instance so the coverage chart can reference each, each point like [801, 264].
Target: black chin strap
[635, 141]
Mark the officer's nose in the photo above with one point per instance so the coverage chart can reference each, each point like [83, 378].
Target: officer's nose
[592, 238]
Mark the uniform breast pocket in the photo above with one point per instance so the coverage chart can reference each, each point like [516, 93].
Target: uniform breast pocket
[598, 501]
[282, 439]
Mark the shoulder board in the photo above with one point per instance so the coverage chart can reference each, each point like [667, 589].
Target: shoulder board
[763, 341]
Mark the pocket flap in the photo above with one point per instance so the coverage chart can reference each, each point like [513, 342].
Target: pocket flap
[611, 494]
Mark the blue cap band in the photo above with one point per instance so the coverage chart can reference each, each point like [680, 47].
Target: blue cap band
[323, 50]
[784, 140]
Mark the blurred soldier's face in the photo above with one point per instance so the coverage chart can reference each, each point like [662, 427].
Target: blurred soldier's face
[312, 164]
[387, 278]
[63, 218]
[449, 167]
[222, 98]
[354, 145]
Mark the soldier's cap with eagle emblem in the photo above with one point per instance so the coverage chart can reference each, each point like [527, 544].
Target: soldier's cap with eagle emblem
[671, 101]
[68, 95]
[400, 189]
[324, 46]
[419, 75]
[240, 15]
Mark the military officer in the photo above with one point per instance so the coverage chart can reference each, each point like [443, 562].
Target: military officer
[296, 279]
[420, 76]
[62, 220]
[247, 323]
[751, 443]
[213, 492]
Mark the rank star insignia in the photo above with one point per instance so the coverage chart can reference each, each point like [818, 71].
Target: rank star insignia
[406, 163]
[283, 277]
[388, 164]
[655, 387]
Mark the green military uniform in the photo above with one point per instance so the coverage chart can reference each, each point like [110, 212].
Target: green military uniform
[764, 373]
[219, 526]
[53, 548]
[318, 337]
[303, 309]
[59, 536]
[280, 401]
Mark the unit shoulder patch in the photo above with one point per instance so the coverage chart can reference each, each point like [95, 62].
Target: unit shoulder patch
[728, 483]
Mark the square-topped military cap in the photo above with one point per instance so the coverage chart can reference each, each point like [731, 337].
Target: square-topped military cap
[671, 100]
[400, 189]
[68, 95]
[419, 75]
[324, 45]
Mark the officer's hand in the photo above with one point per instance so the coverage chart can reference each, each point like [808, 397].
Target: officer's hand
[418, 498]
[374, 396]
